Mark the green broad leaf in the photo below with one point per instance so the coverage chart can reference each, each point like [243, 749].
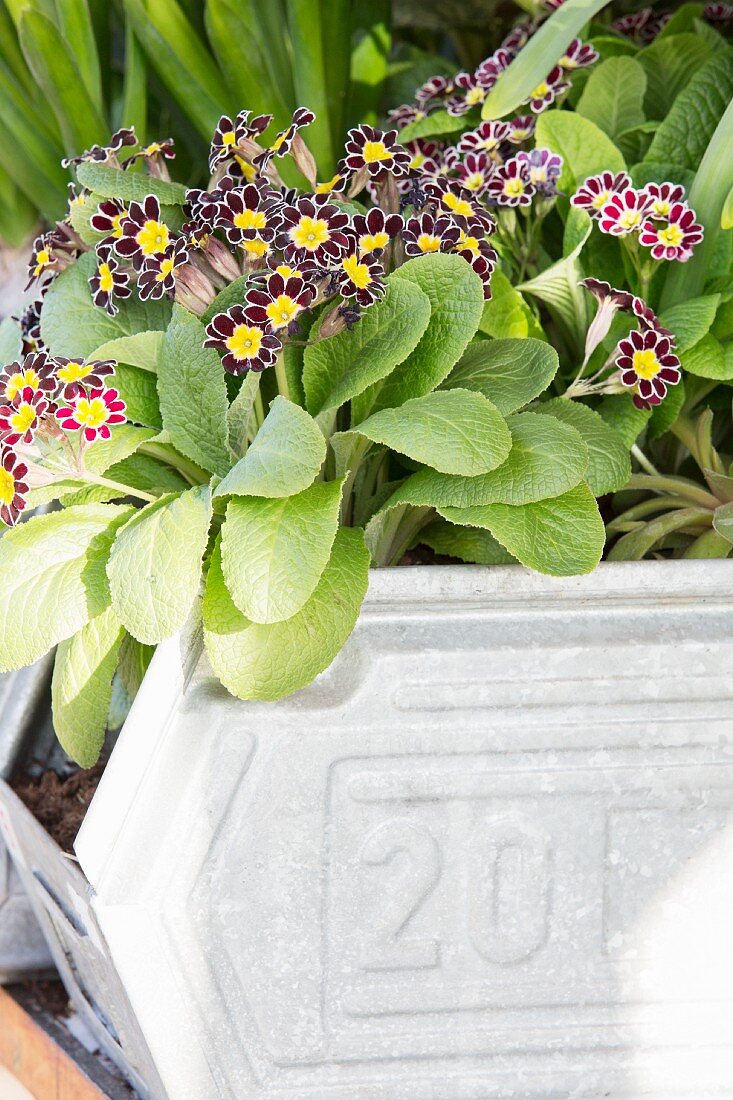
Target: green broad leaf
[114, 183]
[709, 359]
[339, 368]
[578, 226]
[709, 545]
[284, 458]
[274, 552]
[469, 544]
[142, 471]
[240, 416]
[193, 394]
[584, 147]
[456, 431]
[140, 350]
[723, 521]
[563, 537]
[621, 414]
[511, 373]
[609, 465]
[231, 295]
[133, 663]
[547, 458]
[664, 415]
[691, 320]
[722, 326]
[456, 298]
[726, 217]
[268, 661]
[306, 24]
[613, 96]
[558, 286]
[52, 578]
[433, 125]
[123, 442]
[370, 52]
[154, 568]
[81, 689]
[684, 19]
[506, 315]
[536, 59]
[139, 391]
[135, 85]
[670, 64]
[77, 30]
[73, 326]
[11, 342]
[689, 124]
[634, 143]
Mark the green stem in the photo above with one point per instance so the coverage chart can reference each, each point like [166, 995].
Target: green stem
[678, 485]
[194, 474]
[259, 408]
[644, 461]
[281, 375]
[125, 490]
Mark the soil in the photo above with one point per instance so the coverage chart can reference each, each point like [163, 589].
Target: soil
[425, 555]
[59, 803]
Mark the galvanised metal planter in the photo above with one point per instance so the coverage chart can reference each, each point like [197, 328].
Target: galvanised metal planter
[488, 853]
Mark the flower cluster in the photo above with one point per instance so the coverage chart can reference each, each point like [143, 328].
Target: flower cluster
[41, 398]
[657, 213]
[645, 25]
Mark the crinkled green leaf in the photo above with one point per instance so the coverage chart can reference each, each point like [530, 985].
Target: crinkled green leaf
[433, 125]
[691, 320]
[470, 544]
[240, 413]
[140, 350]
[511, 373]
[609, 465]
[563, 536]
[670, 64]
[621, 414]
[268, 661]
[689, 123]
[124, 441]
[506, 314]
[585, 149]
[82, 686]
[664, 415]
[53, 579]
[139, 390]
[154, 568]
[274, 550]
[114, 183]
[709, 359]
[10, 341]
[613, 96]
[284, 457]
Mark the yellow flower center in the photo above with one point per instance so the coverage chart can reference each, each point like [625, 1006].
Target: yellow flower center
[229, 139]
[288, 272]
[457, 205]
[661, 208]
[630, 219]
[468, 244]
[256, 247]
[117, 224]
[475, 96]
[165, 269]
[153, 238]
[427, 243]
[370, 242]
[248, 170]
[418, 160]
[474, 181]
[91, 412]
[671, 235]
[514, 187]
[310, 233]
[106, 282]
[282, 310]
[324, 188]
[73, 372]
[375, 152]
[18, 381]
[540, 91]
[250, 219]
[646, 363]
[7, 487]
[43, 259]
[23, 418]
[244, 343]
[601, 200]
[359, 273]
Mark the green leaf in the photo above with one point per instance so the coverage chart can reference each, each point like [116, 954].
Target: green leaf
[344, 365]
[52, 578]
[240, 419]
[135, 90]
[609, 466]
[306, 24]
[506, 314]
[142, 471]
[193, 394]
[613, 96]
[670, 64]
[258, 661]
[433, 125]
[456, 298]
[231, 295]
[471, 544]
[709, 359]
[455, 431]
[547, 458]
[75, 24]
[637, 543]
[585, 149]
[273, 552]
[723, 521]
[691, 320]
[154, 569]
[72, 325]
[141, 350]
[284, 458]
[563, 537]
[621, 414]
[139, 391]
[11, 342]
[123, 442]
[726, 217]
[536, 59]
[511, 373]
[82, 686]
[558, 286]
[664, 415]
[688, 127]
[114, 183]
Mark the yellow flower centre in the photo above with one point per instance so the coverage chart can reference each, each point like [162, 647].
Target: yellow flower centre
[250, 219]
[153, 238]
[540, 91]
[359, 273]
[43, 259]
[468, 244]
[18, 381]
[514, 187]
[457, 205]
[106, 282]
[256, 247]
[73, 372]
[671, 236]
[91, 412]
[288, 272]
[277, 143]
[310, 233]
[282, 310]
[244, 343]
[474, 181]
[23, 418]
[375, 152]
[165, 269]
[7, 487]
[418, 160]
[324, 188]
[601, 200]
[117, 224]
[646, 364]
[370, 242]
[248, 170]
[427, 243]
[630, 219]
[661, 208]
[229, 139]
[475, 96]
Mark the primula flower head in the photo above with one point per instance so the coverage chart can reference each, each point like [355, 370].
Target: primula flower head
[93, 414]
[376, 151]
[521, 129]
[75, 377]
[474, 171]
[13, 487]
[143, 233]
[647, 365]
[663, 195]
[109, 280]
[375, 230]
[104, 154]
[675, 239]
[250, 216]
[108, 219]
[158, 274]
[426, 233]
[544, 168]
[624, 212]
[486, 138]
[21, 418]
[283, 142]
[34, 372]
[595, 192]
[579, 55]
[245, 337]
[285, 296]
[361, 276]
[231, 134]
[313, 231]
[511, 185]
[548, 90]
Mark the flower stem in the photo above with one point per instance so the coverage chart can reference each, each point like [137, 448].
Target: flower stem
[124, 490]
[644, 461]
[281, 375]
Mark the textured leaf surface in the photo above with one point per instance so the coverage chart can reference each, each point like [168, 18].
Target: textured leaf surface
[510, 373]
[709, 359]
[123, 442]
[609, 465]
[53, 579]
[284, 458]
[455, 431]
[114, 183]
[339, 368]
[470, 544]
[562, 537]
[154, 569]
[239, 416]
[10, 341]
[691, 320]
[141, 350]
[584, 147]
[193, 394]
[723, 521]
[256, 661]
[670, 63]
[507, 314]
[82, 686]
[621, 414]
[138, 389]
[683, 136]
[613, 96]
[274, 551]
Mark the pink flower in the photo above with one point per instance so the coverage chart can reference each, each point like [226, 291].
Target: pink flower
[21, 418]
[663, 195]
[624, 212]
[510, 184]
[647, 365]
[93, 414]
[675, 239]
[13, 487]
[593, 195]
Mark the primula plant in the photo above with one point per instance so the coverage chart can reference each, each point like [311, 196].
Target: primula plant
[471, 332]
